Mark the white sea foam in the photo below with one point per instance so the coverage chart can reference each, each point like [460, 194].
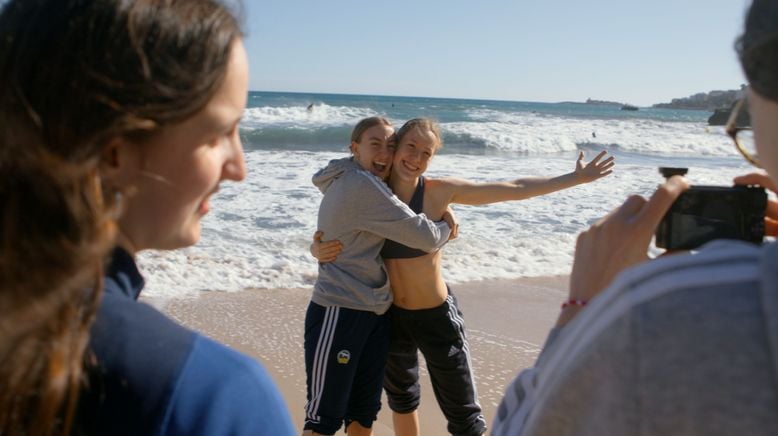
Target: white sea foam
[532, 133]
[320, 115]
[258, 232]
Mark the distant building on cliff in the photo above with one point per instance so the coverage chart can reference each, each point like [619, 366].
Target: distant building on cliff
[707, 101]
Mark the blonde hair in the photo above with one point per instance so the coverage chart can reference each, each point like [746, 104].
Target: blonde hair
[366, 123]
[421, 124]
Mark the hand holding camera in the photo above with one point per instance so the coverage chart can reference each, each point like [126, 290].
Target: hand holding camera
[771, 212]
[621, 239]
[705, 213]
[618, 241]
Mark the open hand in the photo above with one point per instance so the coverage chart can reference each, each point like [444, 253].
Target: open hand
[771, 214]
[325, 252]
[595, 169]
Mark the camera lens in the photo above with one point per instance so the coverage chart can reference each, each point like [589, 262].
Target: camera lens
[668, 172]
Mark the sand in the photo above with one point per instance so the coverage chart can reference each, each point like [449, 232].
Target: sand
[506, 320]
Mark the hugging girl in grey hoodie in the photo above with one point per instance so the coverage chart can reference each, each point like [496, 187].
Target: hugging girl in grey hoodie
[361, 211]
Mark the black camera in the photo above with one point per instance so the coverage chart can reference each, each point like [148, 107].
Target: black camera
[704, 213]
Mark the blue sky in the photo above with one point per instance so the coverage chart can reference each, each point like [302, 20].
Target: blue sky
[639, 52]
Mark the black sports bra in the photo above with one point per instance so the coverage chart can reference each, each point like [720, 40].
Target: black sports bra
[395, 250]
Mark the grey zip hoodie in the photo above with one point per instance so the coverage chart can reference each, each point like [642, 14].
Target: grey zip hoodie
[360, 210]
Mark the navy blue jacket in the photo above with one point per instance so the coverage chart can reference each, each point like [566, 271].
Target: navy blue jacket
[151, 376]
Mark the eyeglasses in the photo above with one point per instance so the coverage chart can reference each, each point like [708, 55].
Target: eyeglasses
[743, 136]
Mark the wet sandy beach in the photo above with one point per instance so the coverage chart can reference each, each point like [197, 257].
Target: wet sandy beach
[507, 322]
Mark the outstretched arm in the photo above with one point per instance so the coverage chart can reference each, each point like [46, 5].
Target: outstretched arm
[466, 192]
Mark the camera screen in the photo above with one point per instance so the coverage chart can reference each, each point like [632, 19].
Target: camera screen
[697, 229]
[702, 214]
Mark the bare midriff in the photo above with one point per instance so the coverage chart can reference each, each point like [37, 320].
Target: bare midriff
[416, 282]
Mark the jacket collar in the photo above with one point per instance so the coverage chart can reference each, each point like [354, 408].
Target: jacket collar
[122, 275]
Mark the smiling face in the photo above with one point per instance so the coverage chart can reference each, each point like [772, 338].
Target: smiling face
[170, 178]
[375, 149]
[414, 153]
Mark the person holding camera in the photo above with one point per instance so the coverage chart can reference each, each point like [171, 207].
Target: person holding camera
[680, 345]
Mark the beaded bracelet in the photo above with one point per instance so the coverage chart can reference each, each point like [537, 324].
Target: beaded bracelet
[574, 302]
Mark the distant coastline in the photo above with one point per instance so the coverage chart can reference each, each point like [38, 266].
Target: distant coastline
[603, 102]
[707, 101]
[718, 102]
[622, 106]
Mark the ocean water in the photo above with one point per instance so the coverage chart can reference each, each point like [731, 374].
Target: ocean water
[258, 232]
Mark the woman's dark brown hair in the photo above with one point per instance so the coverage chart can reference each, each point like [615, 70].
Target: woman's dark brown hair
[758, 48]
[75, 74]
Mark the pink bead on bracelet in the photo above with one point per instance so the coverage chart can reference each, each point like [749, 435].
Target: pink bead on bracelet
[573, 302]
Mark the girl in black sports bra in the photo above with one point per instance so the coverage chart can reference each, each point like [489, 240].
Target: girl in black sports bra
[396, 250]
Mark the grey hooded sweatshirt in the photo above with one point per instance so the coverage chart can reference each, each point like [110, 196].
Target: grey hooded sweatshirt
[360, 211]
